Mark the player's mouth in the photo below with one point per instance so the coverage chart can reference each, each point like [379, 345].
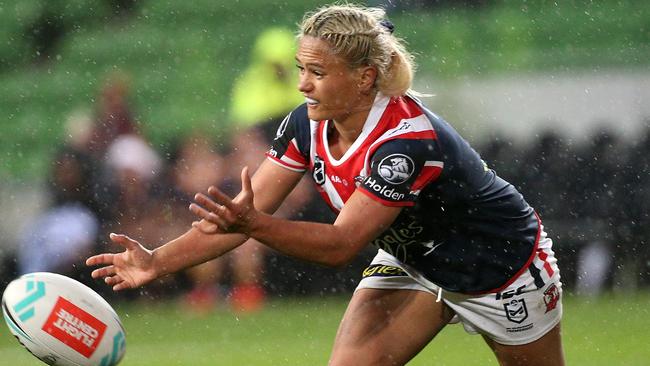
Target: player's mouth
[311, 102]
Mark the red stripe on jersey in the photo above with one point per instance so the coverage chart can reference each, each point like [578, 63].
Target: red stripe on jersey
[294, 154]
[428, 175]
[547, 266]
[284, 163]
[385, 202]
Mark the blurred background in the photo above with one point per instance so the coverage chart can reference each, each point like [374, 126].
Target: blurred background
[114, 112]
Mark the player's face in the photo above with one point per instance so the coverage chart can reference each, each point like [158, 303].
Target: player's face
[332, 89]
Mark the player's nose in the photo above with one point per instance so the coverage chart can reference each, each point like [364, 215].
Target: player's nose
[304, 84]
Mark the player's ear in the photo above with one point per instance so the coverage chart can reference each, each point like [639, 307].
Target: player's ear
[367, 77]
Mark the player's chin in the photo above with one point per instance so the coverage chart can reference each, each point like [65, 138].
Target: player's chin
[314, 112]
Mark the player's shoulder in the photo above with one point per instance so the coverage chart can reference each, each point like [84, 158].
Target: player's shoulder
[293, 120]
[415, 150]
[299, 114]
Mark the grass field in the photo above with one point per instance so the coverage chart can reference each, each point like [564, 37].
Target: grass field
[611, 330]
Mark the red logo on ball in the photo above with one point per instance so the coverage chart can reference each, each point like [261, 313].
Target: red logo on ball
[74, 327]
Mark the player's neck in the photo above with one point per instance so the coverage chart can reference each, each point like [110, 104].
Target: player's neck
[341, 135]
[349, 127]
[344, 130]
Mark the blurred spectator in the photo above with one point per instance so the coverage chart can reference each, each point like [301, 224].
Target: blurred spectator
[63, 235]
[131, 168]
[597, 182]
[134, 199]
[267, 89]
[634, 229]
[541, 167]
[113, 115]
[195, 164]
[500, 155]
[90, 134]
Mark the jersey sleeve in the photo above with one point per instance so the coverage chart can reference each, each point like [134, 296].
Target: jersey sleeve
[290, 148]
[399, 169]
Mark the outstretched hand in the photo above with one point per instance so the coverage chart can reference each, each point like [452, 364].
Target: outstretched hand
[223, 214]
[129, 269]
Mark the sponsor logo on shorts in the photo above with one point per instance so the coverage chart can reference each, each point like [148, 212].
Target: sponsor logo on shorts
[510, 293]
[74, 327]
[380, 270]
[516, 310]
[396, 168]
[551, 297]
[520, 329]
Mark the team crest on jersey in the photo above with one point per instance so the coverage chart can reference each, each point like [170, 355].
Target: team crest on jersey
[516, 310]
[551, 297]
[396, 168]
[319, 171]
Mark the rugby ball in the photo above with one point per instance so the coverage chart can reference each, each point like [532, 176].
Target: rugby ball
[62, 321]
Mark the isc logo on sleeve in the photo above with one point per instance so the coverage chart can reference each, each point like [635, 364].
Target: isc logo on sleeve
[74, 327]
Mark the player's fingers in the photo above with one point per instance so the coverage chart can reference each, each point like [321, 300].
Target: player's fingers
[206, 202]
[210, 216]
[201, 212]
[113, 280]
[106, 258]
[124, 241]
[221, 197]
[206, 228]
[121, 286]
[103, 272]
[246, 181]
[221, 223]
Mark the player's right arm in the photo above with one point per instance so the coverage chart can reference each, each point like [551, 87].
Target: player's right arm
[137, 265]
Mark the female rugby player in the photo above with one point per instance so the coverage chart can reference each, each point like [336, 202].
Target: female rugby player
[455, 242]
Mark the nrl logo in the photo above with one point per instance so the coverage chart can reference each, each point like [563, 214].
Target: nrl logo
[516, 310]
[319, 171]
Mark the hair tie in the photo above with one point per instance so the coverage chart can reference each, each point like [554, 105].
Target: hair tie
[390, 27]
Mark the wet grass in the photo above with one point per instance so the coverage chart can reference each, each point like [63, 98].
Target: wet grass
[610, 330]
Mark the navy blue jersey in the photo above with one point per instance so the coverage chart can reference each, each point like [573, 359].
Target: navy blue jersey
[461, 226]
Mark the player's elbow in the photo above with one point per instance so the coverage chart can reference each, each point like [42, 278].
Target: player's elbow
[342, 256]
[338, 261]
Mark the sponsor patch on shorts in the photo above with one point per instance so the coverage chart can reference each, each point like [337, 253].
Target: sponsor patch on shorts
[381, 270]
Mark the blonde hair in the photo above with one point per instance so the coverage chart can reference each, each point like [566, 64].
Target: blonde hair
[363, 37]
